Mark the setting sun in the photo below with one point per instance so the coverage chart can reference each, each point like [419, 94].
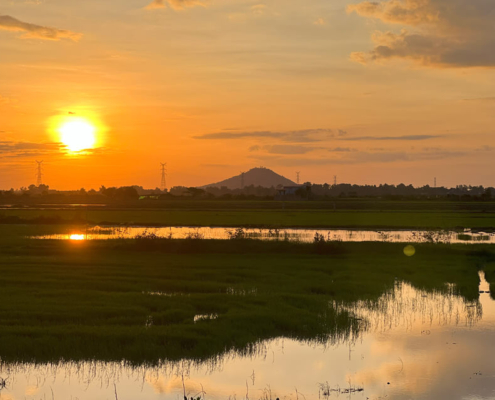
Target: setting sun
[78, 135]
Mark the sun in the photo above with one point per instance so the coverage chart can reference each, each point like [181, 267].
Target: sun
[78, 134]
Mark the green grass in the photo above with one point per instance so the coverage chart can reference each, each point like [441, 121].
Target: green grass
[92, 300]
[259, 218]
[340, 204]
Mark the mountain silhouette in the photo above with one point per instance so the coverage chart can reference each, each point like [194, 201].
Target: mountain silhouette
[257, 176]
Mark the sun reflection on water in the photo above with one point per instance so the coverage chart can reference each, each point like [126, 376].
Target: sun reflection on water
[77, 237]
[301, 235]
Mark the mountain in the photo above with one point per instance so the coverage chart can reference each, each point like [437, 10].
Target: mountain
[257, 176]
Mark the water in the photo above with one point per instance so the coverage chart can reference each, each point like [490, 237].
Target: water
[50, 206]
[413, 344]
[302, 235]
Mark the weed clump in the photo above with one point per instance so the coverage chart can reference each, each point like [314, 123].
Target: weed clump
[326, 246]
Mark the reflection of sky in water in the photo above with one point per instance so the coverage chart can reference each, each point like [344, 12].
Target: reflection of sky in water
[415, 345]
[303, 235]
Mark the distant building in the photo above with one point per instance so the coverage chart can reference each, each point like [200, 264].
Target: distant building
[293, 192]
[289, 190]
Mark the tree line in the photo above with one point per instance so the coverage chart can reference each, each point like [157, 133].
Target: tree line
[307, 191]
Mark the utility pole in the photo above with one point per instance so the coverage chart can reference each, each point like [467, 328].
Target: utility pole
[39, 173]
[335, 180]
[435, 182]
[298, 174]
[163, 186]
[242, 180]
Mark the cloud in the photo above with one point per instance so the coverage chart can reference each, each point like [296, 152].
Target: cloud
[365, 157]
[294, 149]
[341, 150]
[156, 4]
[485, 148]
[175, 4]
[393, 138]
[386, 157]
[217, 165]
[442, 33]
[258, 9]
[408, 12]
[32, 31]
[29, 149]
[298, 136]
[289, 149]
[319, 22]
[5, 100]
[482, 100]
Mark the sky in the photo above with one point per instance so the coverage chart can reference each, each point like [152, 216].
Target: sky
[392, 91]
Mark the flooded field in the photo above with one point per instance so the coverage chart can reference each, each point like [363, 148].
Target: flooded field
[411, 344]
[86, 316]
[300, 235]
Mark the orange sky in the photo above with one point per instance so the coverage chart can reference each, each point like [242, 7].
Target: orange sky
[392, 91]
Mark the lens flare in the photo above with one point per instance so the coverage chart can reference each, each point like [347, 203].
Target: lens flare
[409, 251]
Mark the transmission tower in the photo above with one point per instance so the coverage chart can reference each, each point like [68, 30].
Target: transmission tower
[163, 186]
[242, 180]
[297, 177]
[39, 173]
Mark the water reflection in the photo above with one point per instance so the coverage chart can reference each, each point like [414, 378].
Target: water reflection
[412, 344]
[76, 236]
[301, 235]
[406, 307]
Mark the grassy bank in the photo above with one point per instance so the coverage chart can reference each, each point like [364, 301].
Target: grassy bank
[139, 301]
[257, 218]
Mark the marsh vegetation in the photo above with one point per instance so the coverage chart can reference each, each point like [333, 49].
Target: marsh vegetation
[154, 304]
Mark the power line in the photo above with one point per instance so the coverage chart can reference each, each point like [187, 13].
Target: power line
[163, 185]
[39, 173]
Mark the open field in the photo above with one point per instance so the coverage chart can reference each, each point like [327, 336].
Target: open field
[138, 300]
[257, 218]
[339, 204]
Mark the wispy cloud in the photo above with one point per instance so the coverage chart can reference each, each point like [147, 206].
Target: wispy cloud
[485, 148]
[258, 9]
[5, 100]
[482, 100]
[364, 157]
[297, 136]
[217, 165]
[392, 138]
[29, 149]
[175, 4]
[32, 31]
[341, 150]
[289, 149]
